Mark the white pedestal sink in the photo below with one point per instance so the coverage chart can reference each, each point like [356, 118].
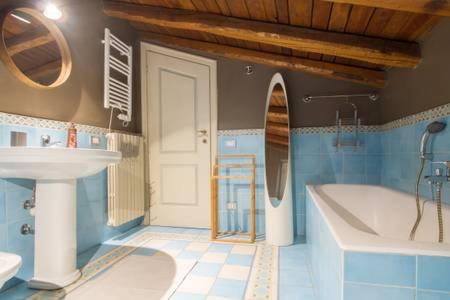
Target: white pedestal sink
[55, 171]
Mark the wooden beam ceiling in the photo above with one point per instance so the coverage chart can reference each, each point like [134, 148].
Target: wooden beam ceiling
[432, 7]
[374, 50]
[325, 69]
[28, 40]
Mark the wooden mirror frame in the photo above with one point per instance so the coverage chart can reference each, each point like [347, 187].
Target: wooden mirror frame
[66, 58]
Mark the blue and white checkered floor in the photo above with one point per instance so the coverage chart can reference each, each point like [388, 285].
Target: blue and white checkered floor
[166, 266]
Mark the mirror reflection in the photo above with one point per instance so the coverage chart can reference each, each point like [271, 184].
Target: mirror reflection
[30, 48]
[277, 143]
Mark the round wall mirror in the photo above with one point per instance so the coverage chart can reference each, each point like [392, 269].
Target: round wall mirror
[277, 144]
[34, 49]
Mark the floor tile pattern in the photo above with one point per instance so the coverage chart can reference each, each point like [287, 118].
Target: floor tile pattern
[168, 263]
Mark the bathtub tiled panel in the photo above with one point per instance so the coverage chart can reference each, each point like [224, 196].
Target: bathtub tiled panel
[348, 275]
[325, 256]
[92, 202]
[398, 270]
[386, 276]
[400, 161]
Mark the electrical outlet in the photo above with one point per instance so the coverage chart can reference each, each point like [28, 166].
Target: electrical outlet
[95, 140]
[230, 143]
[231, 205]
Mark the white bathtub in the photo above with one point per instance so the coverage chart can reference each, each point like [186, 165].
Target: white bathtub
[377, 219]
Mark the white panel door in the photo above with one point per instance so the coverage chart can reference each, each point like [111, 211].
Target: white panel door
[179, 121]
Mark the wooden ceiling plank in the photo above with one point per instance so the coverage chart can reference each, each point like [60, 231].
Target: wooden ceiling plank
[257, 12]
[417, 27]
[300, 14]
[200, 5]
[379, 51]
[224, 9]
[357, 23]
[338, 21]
[271, 10]
[238, 9]
[359, 19]
[282, 7]
[395, 24]
[320, 17]
[212, 6]
[432, 7]
[324, 69]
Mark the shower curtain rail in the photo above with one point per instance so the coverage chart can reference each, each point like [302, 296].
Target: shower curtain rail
[309, 98]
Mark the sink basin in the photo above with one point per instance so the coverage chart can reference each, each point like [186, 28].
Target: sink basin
[9, 265]
[53, 163]
[55, 171]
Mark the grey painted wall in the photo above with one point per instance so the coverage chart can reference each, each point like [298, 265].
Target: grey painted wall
[412, 91]
[242, 98]
[80, 99]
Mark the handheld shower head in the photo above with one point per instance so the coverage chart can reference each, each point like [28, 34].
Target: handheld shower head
[436, 127]
[432, 128]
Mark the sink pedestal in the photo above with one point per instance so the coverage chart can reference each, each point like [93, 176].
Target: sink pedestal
[55, 264]
[55, 171]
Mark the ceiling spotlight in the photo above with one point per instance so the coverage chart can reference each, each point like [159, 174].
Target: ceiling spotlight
[52, 12]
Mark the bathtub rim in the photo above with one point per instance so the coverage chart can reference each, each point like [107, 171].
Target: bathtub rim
[351, 239]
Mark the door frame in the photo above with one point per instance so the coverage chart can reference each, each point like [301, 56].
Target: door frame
[146, 47]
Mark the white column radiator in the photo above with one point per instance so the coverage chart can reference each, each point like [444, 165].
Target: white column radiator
[126, 179]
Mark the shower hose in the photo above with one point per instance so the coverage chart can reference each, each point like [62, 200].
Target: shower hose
[420, 210]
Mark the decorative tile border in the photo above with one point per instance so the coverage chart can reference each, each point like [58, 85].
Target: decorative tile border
[332, 129]
[432, 114]
[435, 113]
[18, 120]
[263, 282]
[240, 132]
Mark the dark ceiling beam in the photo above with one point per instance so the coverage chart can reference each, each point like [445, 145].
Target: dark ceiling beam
[374, 50]
[359, 75]
[432, 7]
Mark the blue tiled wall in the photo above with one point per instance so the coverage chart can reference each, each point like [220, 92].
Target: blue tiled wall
[314, 161]
[389, 158]
[400, 163]
[91, 205]
[239, 190]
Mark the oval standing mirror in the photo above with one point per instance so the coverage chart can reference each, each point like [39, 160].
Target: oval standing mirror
[277, 144]
[34, 49]
[279, 218]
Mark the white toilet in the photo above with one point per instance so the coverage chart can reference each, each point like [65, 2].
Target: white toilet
[9, 265]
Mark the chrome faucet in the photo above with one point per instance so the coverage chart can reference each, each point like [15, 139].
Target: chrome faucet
[46, 141]
[440, 175]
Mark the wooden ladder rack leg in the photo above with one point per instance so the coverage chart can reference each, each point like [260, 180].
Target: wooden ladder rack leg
[214, 194]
